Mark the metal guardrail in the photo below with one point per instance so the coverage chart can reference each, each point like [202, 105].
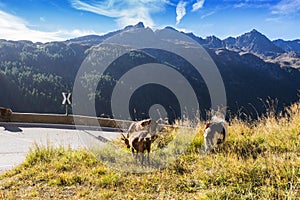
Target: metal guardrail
[64, 119]
[75, 120]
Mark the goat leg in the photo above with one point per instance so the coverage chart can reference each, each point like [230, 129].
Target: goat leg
[148, 159]
[208, 143]
[143, 156]
[134, 155]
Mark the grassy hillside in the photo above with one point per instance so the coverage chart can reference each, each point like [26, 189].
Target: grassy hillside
[260, 160]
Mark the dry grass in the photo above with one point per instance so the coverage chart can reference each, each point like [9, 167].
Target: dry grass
[260, 160]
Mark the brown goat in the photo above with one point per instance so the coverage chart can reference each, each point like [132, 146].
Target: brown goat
[139, 142]
[140, 136]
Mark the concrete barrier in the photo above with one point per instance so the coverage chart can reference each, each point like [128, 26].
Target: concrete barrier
[64, 119]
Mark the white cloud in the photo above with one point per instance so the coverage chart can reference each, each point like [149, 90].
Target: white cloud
[15, 28]
[286, 7]
[126, 12]
[180, 11]
[198, 5]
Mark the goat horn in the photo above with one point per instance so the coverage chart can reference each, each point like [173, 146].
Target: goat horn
[123, 135]
[146, 122]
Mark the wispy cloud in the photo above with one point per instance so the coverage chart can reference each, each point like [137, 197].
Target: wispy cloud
[198, 5]
[286, 7]
[240, 5]
[15, 28]
[180, 11]
[125, 12]
[273, 19]
[208, 14]
[254, 4]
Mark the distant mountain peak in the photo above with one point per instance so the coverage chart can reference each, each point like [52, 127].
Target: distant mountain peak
[256, 42]
[138, 25]
[254, 31]
[212, 37]
[170, 28]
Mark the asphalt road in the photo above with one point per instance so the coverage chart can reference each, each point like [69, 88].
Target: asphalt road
[16, 139]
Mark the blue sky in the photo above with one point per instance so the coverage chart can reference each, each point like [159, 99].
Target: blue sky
[48, 20]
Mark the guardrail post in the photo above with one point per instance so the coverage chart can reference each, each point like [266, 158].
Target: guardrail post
[66, 101]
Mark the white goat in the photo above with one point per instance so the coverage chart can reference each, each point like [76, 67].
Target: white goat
[215, 132]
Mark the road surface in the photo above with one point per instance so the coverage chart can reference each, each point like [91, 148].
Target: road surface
[16, 139]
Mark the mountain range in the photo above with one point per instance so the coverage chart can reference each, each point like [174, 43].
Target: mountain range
[253, 42]
[253, 68]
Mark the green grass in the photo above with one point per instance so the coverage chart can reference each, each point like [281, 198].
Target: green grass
[260, 160]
